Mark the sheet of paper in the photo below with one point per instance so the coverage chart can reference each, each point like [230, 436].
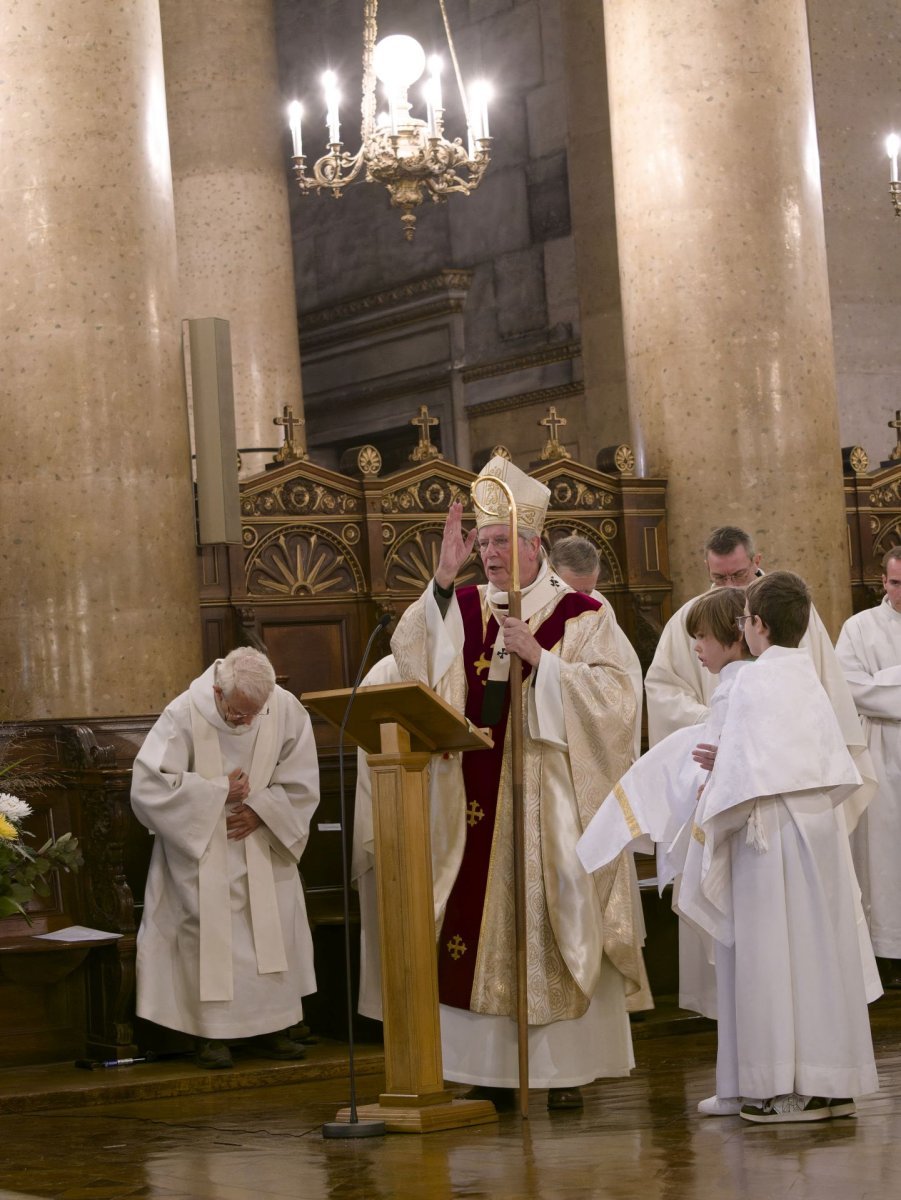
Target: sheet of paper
[76, 933]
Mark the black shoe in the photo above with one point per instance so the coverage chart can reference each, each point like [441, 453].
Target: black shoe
[503, 1099]
[562, 1098]
[212, 1055]
[276, 1045]
[302, 1033]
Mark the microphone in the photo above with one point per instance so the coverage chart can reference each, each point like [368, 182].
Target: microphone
[354, 1127]
[384, 621]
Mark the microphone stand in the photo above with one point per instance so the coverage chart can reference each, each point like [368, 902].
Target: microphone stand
[353, 1127]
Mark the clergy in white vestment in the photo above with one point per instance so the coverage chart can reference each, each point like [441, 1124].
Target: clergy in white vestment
[227, 780]
[578, 712]
[869, 650]
[678, 692]
[773, 887]
[577, 563]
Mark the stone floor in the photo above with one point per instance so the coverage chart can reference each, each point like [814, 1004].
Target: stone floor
[637, 1137]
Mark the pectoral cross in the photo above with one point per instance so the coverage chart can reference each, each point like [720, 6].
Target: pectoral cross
[896, 425]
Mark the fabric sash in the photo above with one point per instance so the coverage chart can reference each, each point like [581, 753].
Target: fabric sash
[216, 978]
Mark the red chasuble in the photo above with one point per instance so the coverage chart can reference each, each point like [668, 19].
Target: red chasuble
[458, 944]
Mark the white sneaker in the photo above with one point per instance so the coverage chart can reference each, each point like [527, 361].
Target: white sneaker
[720, 1106]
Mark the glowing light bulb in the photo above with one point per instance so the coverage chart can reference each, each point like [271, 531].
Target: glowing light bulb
[295, 112]
[892, 145]
[398, 61]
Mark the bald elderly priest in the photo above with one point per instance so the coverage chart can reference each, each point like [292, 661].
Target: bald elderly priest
[227, 780]
[578, 707]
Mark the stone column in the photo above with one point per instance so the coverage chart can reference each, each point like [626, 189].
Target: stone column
[725, 292]
[98, 607]
[594, 224]
[227, 124]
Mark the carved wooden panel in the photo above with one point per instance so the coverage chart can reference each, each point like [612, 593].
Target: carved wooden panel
[301, 561]
[873, 510]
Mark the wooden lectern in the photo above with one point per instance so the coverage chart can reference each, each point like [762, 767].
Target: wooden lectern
[401, 725]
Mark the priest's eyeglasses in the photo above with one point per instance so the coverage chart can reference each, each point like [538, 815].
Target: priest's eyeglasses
[502, 542]
[740, 621]
[735, 578]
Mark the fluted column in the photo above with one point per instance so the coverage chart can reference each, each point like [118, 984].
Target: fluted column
[227, 123]
[725, 292]
[98, 606]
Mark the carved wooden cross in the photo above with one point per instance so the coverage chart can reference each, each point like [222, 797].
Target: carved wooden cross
[552, 423]
[289, 451]
[425, 450]
[896, 425]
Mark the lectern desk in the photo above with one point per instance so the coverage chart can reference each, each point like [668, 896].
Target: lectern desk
[400, 725]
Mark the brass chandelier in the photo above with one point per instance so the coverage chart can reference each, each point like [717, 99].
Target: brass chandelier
[411, 157]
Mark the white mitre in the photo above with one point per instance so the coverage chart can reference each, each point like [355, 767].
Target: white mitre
[530, 496]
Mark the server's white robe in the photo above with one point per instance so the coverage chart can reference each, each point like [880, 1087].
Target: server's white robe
[769, 880]
[224, 947]
[677, 693]
[869, 650]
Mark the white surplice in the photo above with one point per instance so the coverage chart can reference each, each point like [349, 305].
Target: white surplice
[869, 650]
[678, 691]
[224, 948]
[769, 880]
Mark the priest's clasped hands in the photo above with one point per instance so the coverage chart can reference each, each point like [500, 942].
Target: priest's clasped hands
[241, 821]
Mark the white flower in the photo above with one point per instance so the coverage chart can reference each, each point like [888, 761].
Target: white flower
[13, 807]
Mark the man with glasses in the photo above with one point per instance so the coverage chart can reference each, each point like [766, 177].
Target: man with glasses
[578, 705]
[678, 692]
[227, 780]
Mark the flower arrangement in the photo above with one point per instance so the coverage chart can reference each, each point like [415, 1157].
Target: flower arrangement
[23, 871]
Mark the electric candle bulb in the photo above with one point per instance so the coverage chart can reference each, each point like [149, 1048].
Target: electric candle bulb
[892, 145]
[295, 112]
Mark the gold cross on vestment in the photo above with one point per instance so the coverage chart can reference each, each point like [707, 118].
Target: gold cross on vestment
[896, 425]
[482, 664]
[474, 813]
[456, 947]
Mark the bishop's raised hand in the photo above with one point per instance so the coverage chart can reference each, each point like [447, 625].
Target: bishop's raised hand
[456, 547]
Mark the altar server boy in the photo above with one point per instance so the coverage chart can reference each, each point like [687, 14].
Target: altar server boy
[772, 884]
